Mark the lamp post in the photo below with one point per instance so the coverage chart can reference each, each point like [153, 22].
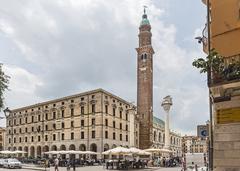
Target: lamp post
[7, 112]
[166, 104]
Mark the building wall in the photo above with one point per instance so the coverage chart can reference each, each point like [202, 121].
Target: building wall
[2, 138]
[38, 138]
[194, 144]
[159, 139]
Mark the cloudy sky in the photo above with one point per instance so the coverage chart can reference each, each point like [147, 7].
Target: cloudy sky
[62, 47]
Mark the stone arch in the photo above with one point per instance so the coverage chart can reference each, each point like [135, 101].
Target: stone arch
[154, 135]
[54, 148]
[39, 151]
[32, 151]
[93, 147]
[114, 146]
[72, 147]
[26, 150]
[106, 147]
[82, 147]
[63, 147]
[20, 149]
[14, 148]
[45, 148]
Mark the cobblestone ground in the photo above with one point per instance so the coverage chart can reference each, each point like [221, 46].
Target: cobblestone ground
[91, 168]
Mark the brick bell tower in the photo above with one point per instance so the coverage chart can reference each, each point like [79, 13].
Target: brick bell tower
[145, 83]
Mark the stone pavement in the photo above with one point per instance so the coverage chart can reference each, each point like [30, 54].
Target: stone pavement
[90, 168]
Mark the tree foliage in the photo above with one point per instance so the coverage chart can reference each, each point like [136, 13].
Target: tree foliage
[4, 81]
[214, 63]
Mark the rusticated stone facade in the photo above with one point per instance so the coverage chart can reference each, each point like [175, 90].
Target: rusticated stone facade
[96, 120]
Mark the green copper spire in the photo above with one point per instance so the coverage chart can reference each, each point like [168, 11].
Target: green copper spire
[144, 21]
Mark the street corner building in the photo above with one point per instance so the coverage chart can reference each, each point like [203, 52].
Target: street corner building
[95, 120]
[225, 90]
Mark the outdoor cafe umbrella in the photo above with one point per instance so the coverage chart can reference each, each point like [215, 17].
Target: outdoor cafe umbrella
[137, 151]
[117, 151]
[164, 150]
[7, 152]
[19, 152]
[52, 152]
[153, 150]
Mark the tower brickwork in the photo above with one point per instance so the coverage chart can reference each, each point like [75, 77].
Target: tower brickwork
[145, 83]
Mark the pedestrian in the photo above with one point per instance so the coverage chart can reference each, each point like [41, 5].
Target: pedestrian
[68, 164]
[56, 163]
[73, 165]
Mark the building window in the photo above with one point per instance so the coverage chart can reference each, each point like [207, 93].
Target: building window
[72, 101]
[39, 118]
[54, 126]
[114, 111]
[120, 125]
[20, 120]
[93, 108]
[9, 132]
[127, 116]
[20, 130]
[82, 110]
[32, 139]
[32, 118]
[93, 134]
[93, 121]
[82, 123]
[25, 139]
[72, 112]
[63, 125]
[120, 112]
[46, 138]
[114, 124]
[62, 103]
[114, 135]
[106, 134]
[126, 127]
[106, 108]
[26, 130]
[46, 127]
[39, 128]
[54, 137]
[14, 131]
[82, 135]
[39, 138]
[106, 122]
[25, 120]
[82, 98]
[46, 116]
[32, 129]
[14, 121]
[72, 124]
[126, 137]
[120, 137]
[62, 136]
[72, 135]
[62, 113]
[9, 140]
[54, 115]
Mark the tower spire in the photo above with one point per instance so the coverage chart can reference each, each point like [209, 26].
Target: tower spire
[144, 9]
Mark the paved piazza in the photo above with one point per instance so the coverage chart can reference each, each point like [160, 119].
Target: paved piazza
[94, 168]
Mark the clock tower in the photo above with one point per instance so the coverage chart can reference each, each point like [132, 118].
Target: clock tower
[145, 83]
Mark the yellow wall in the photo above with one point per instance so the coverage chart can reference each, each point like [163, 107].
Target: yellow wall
[225, 26]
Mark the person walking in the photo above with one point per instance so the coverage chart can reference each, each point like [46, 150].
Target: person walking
[68, 164]
[56, 164]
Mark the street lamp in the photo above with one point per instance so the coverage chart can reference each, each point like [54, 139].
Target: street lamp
[166, 104]
[7, 113]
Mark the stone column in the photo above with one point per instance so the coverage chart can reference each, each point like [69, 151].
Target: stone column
[131, 116]
[166, 104]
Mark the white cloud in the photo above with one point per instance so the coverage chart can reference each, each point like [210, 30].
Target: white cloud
[77, 45]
